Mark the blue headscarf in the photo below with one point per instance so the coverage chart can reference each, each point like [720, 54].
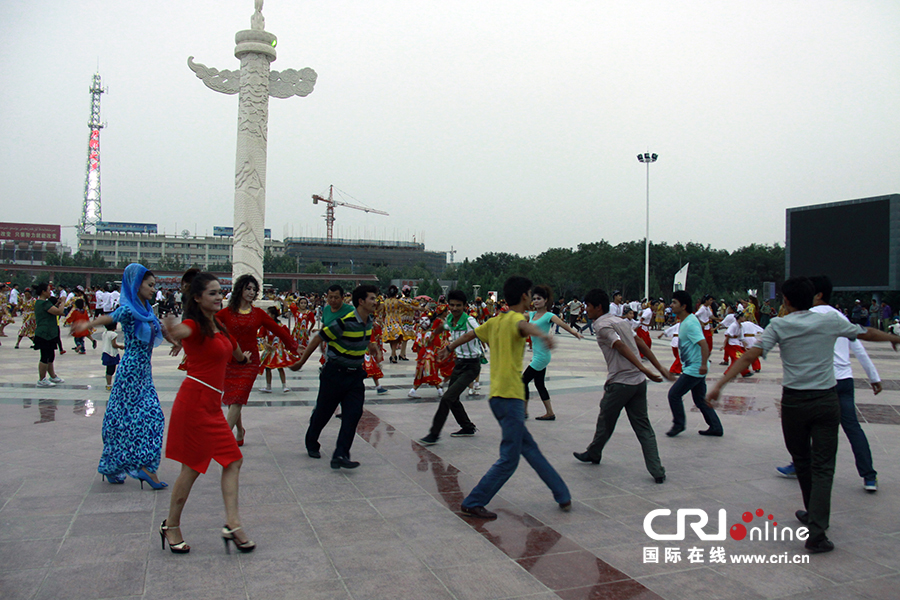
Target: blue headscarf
[146, 325]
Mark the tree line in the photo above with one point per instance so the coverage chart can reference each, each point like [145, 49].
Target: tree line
[568, 271]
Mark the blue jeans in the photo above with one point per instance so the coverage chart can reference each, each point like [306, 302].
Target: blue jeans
[850, 424]
[515, 442]
[697, 387]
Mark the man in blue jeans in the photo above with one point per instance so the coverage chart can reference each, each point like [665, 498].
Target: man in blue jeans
[694, 354]
[505, 335]
[844, 388]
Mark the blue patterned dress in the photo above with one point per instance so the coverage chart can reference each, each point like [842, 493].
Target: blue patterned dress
[133, 423]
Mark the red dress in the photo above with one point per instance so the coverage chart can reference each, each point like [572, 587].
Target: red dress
[239, 378]
[198, 431]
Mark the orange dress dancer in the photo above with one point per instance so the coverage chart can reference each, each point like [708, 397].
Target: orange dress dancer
[371, 366]
[304, 322]
[427, 371]
[442, 335]
[273, 354]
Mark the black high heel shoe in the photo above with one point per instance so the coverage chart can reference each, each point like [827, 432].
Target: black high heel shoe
[179, 548]
[228, 536]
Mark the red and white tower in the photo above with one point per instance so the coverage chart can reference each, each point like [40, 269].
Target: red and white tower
[90, 208]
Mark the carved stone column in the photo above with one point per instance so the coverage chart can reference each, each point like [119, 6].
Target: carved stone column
[254, 83]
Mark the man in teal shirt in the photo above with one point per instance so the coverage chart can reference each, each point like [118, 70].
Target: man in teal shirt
[694, 354]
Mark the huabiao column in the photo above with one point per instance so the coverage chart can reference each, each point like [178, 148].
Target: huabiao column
[254, 83]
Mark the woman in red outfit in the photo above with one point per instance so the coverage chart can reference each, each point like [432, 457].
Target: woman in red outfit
[198, 432]
[243, 321]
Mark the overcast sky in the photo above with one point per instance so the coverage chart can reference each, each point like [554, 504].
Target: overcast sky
[482, 126]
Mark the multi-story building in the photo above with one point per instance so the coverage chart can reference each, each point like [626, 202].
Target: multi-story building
[24, 253]
[203, 251]
[363, 256]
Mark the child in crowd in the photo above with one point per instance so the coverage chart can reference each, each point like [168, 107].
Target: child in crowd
[110, 356]
[370, 364]
[426, 346]
[273, 355]
[80, 314]
[672, 332]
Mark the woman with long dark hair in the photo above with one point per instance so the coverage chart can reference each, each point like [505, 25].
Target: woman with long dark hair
[133, 422]
[243, 321]
[198, 432]
[541, 296]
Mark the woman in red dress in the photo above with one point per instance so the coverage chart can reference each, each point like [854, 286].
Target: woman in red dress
[243, 321]
[198, 432]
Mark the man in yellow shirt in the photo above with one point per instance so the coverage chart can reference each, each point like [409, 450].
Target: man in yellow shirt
[505, 335]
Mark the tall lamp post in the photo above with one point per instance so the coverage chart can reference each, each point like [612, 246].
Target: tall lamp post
[647, 158]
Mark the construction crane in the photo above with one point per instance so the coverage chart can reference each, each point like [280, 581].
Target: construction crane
[330, 203]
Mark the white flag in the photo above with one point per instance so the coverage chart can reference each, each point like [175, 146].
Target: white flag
[681, 278]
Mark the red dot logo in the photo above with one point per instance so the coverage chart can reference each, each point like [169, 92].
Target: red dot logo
[738, 531]
[760, 512]
[747, 517]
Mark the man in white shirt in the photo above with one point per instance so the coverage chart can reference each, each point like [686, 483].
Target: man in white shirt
[615, 307]
[99, 302]
[706, 317]
[574, 307]
[845, 386]
[113, 300]
[14, 297]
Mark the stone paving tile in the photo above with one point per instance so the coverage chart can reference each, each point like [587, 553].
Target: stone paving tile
[422, 580]
[101, 580]
[501, 579]
[30, 554]
[329, 589]
[21, 584]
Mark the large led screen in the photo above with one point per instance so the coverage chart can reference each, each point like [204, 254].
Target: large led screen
[850, 243]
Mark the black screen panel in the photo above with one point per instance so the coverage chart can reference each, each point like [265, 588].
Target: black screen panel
[849, 243]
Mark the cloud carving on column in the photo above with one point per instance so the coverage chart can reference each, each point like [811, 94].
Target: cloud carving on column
[291, 82]
[226, 82]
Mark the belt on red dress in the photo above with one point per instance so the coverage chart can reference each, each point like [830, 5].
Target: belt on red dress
[206, 384]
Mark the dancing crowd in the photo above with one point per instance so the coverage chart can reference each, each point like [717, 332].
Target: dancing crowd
[228, 342]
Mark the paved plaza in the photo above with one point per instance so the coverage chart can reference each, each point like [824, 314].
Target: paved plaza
[392, 528]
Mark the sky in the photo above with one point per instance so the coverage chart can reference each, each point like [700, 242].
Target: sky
[480, 126]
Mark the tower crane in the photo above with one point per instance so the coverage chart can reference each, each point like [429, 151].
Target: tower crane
[330, 203]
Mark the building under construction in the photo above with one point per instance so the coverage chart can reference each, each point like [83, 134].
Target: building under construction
[362, 256]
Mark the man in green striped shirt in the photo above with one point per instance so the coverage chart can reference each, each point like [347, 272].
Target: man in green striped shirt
[342, 379]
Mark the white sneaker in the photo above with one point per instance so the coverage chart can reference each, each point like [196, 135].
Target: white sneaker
[57, 380]
[266, 390]
[45, 383]
[440, 391]
[477, 385]
[286, 390]
[472, 392]
[414, 393]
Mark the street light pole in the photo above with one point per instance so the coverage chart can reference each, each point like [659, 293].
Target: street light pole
[647, 158]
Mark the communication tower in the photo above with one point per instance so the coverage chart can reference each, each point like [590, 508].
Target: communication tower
[90, 208]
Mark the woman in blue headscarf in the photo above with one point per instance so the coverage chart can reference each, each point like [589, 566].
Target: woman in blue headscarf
[133, 422]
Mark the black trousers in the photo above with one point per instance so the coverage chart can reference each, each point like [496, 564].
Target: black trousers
[809, 421]
[338, 386]
[465, 372]
[538, 377]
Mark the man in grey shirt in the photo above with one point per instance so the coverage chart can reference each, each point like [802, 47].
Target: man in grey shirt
[626, 384]
[810, 409]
